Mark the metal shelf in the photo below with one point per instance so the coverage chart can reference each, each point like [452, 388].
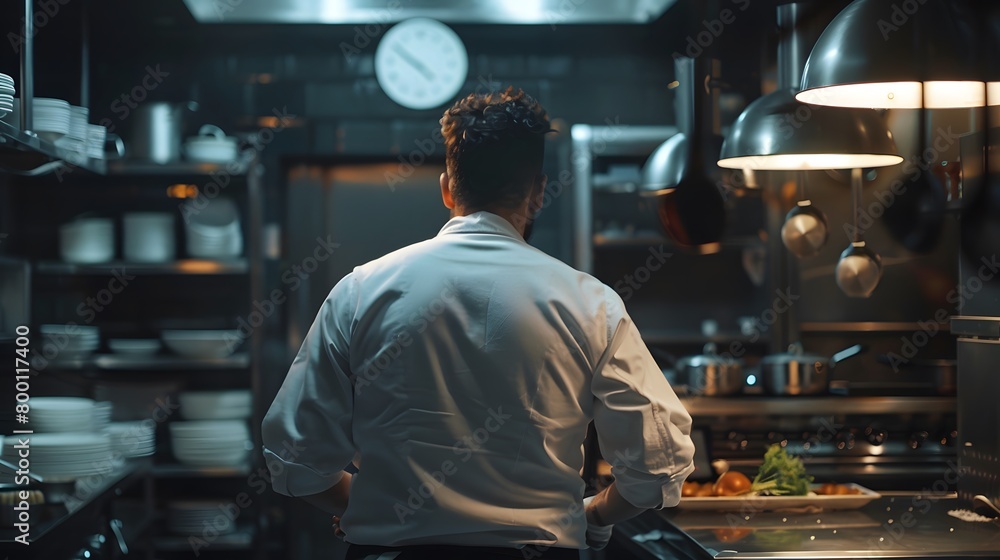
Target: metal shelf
[667, 336]
[863, 326]
[155, 362]
[184, 267]
[241, 539]
[785, 406]
[238, 167]
[105, 487]
[645, 241]
[23, 142]
[177, 470]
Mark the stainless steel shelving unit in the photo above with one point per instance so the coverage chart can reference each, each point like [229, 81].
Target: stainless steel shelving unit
[176, 470]
[820, 405]
[155, 362]
[183, 266]
[24, 140]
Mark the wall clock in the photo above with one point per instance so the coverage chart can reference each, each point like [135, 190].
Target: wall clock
[421, 63]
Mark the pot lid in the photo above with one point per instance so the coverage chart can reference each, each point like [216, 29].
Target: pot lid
[709, 357]
[211, 135]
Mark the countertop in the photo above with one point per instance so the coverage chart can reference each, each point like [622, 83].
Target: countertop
[899, 526]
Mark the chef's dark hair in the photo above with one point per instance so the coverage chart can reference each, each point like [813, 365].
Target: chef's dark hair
[494, 146]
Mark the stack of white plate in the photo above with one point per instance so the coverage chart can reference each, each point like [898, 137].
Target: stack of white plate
[213, 231]
[97, 135]
[215, 405]
[63, 456]
[102, 415]
[133, 439]
[52, 118]
[74, 342]
[6, 94]
[214, 443]
[76, 137]
[87, 240]
[191, 517]
[62, 414]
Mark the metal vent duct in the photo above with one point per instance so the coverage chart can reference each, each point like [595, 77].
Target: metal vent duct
[519, 12]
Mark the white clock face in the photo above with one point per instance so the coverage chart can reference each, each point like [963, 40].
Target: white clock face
[421, 63]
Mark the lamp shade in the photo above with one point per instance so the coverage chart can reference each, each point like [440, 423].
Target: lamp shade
[777, 132]
[895, 55]
[665, 167]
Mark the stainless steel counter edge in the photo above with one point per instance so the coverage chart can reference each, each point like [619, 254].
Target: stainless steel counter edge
[900, 525]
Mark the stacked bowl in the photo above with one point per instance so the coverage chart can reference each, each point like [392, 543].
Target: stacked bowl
[87, 240]
[215, 405]
[149, 236]
[191, 517]
[73, 342]
[213, 231]
[211, 443]
[63, 414]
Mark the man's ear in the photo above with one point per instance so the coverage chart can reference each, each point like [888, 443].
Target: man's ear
[446, 197]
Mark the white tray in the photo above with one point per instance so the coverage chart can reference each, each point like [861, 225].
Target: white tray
[752, 504]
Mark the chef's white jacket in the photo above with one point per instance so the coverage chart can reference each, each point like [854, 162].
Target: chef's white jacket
[460, 375]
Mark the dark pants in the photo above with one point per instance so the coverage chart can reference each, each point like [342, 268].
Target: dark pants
[450, 552]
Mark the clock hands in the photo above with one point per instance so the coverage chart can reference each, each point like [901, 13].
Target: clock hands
[412, 61]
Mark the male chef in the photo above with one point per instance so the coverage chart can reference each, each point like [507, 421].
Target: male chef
[460, 374]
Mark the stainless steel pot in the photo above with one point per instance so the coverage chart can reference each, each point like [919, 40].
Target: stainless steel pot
[156, 131]
[798, 373]
[710, 374]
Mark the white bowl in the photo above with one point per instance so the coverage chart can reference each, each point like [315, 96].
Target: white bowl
[87, 240]
[215, 405]
[202, 343]
[149, 236]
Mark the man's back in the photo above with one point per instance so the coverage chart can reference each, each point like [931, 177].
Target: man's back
[473, 353]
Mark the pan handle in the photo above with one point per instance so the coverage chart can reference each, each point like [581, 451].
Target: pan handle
[849, 352]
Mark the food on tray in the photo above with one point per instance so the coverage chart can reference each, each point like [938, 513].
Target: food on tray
[782, 474]
[731, 483]
[731, 535]
[831, 489]
[690, 489]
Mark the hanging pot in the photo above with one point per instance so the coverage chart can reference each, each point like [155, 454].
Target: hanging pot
[859, 269]
[805, 230]
[693, 213]
[916, 217]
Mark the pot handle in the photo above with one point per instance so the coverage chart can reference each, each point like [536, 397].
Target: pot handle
[849, 352]
[795, 348]
[212, 130]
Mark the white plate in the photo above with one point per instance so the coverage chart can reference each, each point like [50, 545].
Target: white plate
[750, 504]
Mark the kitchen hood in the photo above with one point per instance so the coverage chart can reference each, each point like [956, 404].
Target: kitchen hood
[521, 12]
